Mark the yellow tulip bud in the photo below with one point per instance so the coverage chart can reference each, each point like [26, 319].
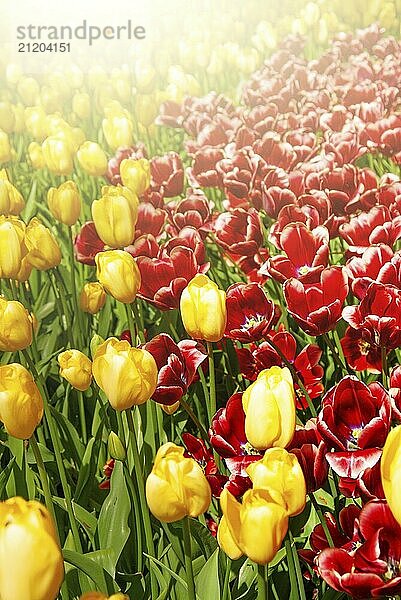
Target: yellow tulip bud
[12, 247]
[177, 486]
[118, 131]
[43, 250]
[35, 154]
[11, 201]
[279, 473]
[5, 148]
[28, 89]
[115, 215]
[57, 154]
[135, 174]
[81, 105]
[257, 526]
[21, 405]
[269, 405]
[390, 466]
[36, 122]
[146, 108]
[7, 117]
[203, 309]
[76, 368]
[115, 447]
[92, 297]
[19, 118]
[127, 375]
[226, 541]
[27, 531]
[25, 270]
[64, 203]
[145, 76]
[15, 326]
[92, 159]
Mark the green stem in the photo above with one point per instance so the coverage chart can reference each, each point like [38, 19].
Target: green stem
[76, 308]
[82, 417]
[194, 418]
[138, 470]
[186, 530]
[263, 586]
[138, 321]
[384, 367]
[64, 305]
[226, 586]
[43, 479]
[212, 380]
[294, 567]
[322, 520]
[131, 324]
[335, 355]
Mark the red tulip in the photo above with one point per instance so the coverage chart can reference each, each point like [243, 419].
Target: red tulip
[87, 244]
[249, 312]
[167, 174]
[239, 232]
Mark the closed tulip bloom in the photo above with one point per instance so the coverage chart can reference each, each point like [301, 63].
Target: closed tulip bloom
[36, 122]
[135, 174]
[117, 130]
[177, 486]
[15, 326]
[203, 309]
[64, 203]
[226, 541]
[12, 247]
[118, 272]
[81, 104]
[257, 526]
[269, 406]
[21, 405]
[280, 473]
[391, 471]
[92, 159]
[43, 250]
[31, 563]
[36, 157]
[115, 215]
[127, 375]
[7, 117]
[25, 270]
[76, 368]
[58, 155]
[11, 201]
[92, 297]
[5, 148]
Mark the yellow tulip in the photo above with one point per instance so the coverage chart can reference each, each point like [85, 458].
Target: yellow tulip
[203, 309]
[81, 105]
[15, 326]
[28, 89]
[64, 203]
[135, 174]
[118, 272]
[5, 148]
[11, 201]
[118, 131]
[36, 157]
[12, 246]
[25, 270]
[146, 108]
[76, 368]
[269, 405]
[92, 298]
[58, 155]
[21, 405]
[257, 526]
[226, 541]
[7, 117]
[43, 250]
[177, 486]
[127, 375]
[36, 122]
[92, 159]
[390, 466]
[100, 596]
[115, 215]
[279, 473]
[31, 563]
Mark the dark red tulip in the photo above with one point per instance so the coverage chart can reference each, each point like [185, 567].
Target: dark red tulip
[196, 449]
[203, 171]
[150, 220]
[193, 211]
[167, 174]
[249, 312]
[310, 450]
[87, 244]
[359, 353]
[239, 232]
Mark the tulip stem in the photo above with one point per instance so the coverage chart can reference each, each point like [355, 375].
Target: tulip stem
[194, 418]
[226, 586]
[76, 308]
[263, 585]
[138, 321]
[212, 381]
[334, 353]
[384, 366]
[294, 567]
[138, 470]
[44, 479]
[133, 329]
[186, 530]
[322, 520]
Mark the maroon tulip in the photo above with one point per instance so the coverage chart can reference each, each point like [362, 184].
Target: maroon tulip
[203, 171]
[196, 449]
[150, 220]
[87, 244]
[193, 211]
[317, 307]
[239, 232]
[249, 312]
[360, 354]
[167, 174]
[310, 450]
[365, 269]
[177, 365]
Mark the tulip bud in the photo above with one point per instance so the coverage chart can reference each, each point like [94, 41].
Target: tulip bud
[226, 541]
[28, 89]
[25, 270]
[43, 250]
[115, 215]
[177, 486]
[57, 155]
[135, 174]
[12, 247]
[95, 342]
[115, 447]
[27, 531]
[76, 368]
[269, 406]
[170, 409]
[92, 297]
[118, 272]
[5, 148]
[92, 159]
[15, 326]
[203, 309]
[21, 405]
[280, 473]
[257, 526]
[35, 154]
[7, 118]
[64, 203]
[81, 105]
[127, 375]
[11, 201]
[35, 122]
[117, 130]
[390, 466]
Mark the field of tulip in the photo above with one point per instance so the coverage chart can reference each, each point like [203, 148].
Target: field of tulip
[200, 316]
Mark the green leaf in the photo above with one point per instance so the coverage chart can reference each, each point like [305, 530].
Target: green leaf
[88, 566]
[207, 582]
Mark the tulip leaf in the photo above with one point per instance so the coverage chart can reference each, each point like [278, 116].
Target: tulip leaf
[87, 565]
[4, 477]
[112, 527]
[206, 542]
[207, 582]
[17, 449]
